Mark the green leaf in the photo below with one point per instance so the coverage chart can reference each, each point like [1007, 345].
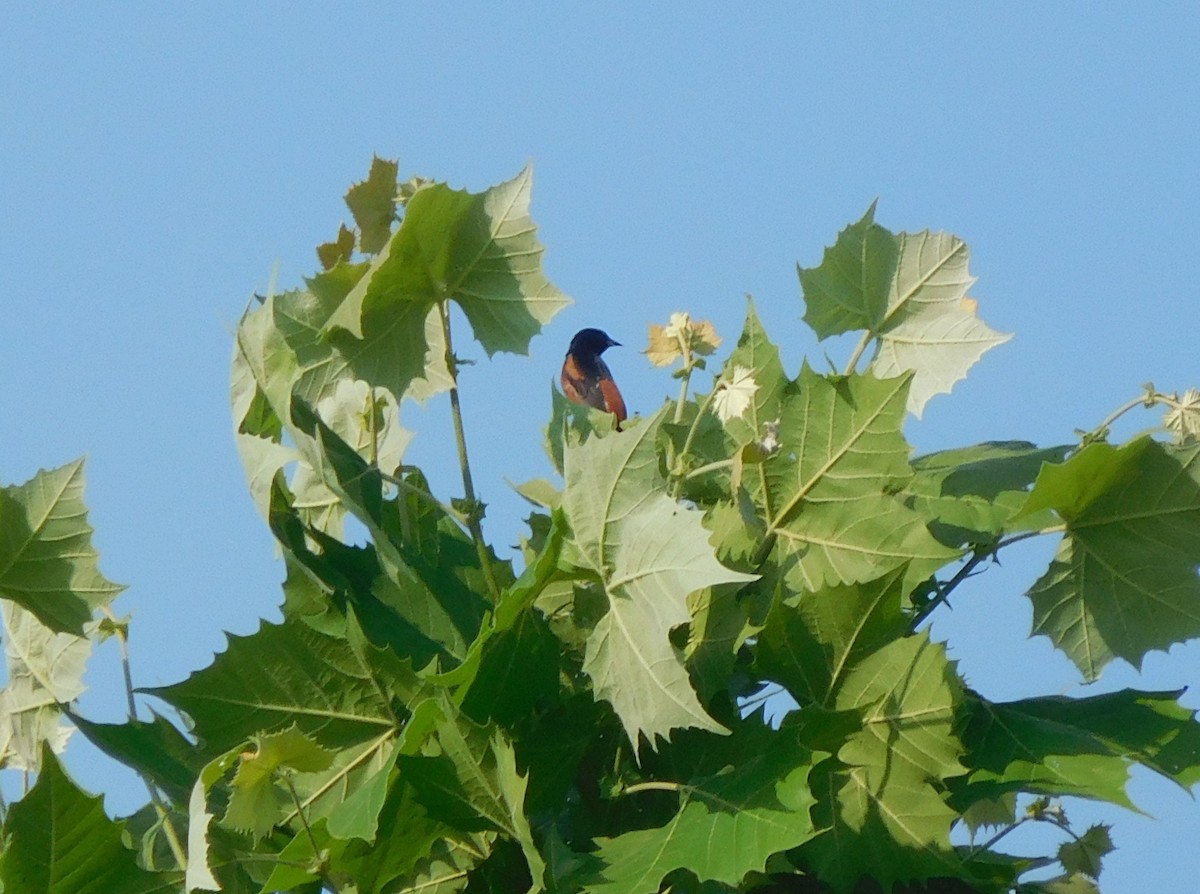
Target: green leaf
[59, 841]
[931, 325]
[1057, 745]
[650, 553]
[830, 499]
[474, 785]
[812, 640]
[428, 576]
[479, 249]
[255, 802]
[908, 291]
[373, 204]
[155, 749]
[1085, 854]
[882, 796]
[570, 424]
[753, 805]
[970, 494]
[758, 354]
[849, 290]
[47, 562]
[281, 675]
[45, 672]
[1123, 581]
[340, 249]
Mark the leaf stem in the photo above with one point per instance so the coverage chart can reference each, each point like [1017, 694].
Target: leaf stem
[981, 554]
[474, 511]
[1148, 399]
[654, 786]
[863, 343]
[164, 816]
[677, 486]
[424, 495]
[312, 841]
[708, 467]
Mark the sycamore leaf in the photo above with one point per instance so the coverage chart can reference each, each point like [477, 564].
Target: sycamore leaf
[756, 352]
[1084, 855]
[474, 784]
[47, 562]
[373, 204]
[340, 249]
[281, 675]
[849, 289]
[812, 640]
[755, 805]
[650, 553]
[479, 249]
[199, 849]
[970, 494]
[1057, 745]
[830, 496]
[58, 840]
[155, 749]
[931, 326]
[908, 291]
[426, 579]
[45, 672]
[882, 795]
[1183, 419]
[1123, 581]
[255, 802]
[735, 394]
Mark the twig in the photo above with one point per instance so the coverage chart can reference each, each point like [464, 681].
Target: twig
[474, 509]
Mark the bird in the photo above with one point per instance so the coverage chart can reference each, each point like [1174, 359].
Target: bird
[585, 377]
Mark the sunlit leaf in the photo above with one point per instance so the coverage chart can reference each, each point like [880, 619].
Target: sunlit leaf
[45, 672]
[830, 497]
[47, 562]
[651, 553]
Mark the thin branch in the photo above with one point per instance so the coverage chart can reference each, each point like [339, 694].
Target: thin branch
[164, 816]
[474, 508]
[863, 343]
[691, 436]
[426, 496]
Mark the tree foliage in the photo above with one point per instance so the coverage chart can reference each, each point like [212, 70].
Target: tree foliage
[429, 717]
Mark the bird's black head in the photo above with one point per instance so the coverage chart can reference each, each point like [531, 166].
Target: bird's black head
[591, 341]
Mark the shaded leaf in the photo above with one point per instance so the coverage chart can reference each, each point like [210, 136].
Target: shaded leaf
[755, 805]
[373, 204]
[812, 640]
[1084, 854]
[59, 841]
[1123, 581]
[1057, 745]
[849, 290]
[340, 249]
[255, 802]
[155, 749]
[882, 796]
[281, 675]
[970, 494]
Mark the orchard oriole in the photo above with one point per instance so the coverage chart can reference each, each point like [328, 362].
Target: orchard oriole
[585, 377]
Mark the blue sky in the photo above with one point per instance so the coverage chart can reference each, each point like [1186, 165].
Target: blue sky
[159, 161]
